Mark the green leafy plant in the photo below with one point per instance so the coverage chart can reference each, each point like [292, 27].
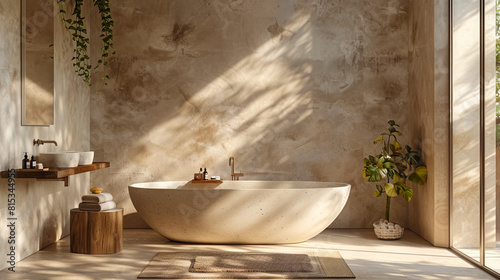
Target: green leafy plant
[76, 25]
[395, 164]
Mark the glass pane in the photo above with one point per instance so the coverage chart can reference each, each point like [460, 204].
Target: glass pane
[466, 128]
[492, 195]
[492, 224]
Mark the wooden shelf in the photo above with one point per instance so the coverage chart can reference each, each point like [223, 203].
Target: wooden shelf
[56, 174]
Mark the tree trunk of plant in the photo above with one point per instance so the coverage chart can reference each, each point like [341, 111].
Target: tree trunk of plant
[387, 207]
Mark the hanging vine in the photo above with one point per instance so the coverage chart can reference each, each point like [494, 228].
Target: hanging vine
[81, 60]
[106, 33]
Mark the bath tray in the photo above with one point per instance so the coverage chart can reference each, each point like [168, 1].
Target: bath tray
[206, 181]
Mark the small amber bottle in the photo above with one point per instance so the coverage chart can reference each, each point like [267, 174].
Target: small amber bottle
[26, 162]
[33, 162]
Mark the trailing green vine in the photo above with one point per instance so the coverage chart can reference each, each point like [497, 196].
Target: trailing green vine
[106, 33]
[77, 28]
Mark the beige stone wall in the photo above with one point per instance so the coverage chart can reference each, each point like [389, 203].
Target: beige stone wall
[428, 89]
[42, 208]
[294, 90]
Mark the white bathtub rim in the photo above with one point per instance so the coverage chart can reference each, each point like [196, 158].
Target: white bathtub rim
[181, 185]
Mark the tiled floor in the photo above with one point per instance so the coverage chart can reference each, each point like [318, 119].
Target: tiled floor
[369, 258]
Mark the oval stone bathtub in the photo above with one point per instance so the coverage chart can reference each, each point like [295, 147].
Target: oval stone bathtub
[239, 212]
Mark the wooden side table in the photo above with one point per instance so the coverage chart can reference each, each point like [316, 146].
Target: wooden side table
[96, 232]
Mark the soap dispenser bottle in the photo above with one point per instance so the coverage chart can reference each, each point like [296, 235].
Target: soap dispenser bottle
[26, 162]
[33, 162]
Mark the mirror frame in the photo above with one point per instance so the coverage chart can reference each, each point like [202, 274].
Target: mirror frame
[24, 94]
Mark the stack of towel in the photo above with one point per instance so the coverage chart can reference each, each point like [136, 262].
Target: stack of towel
[97, 202]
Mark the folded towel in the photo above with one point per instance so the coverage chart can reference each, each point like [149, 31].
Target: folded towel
[97, 207]
[97, 198]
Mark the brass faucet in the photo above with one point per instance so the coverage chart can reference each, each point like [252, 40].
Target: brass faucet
[41, 142]
[234, 176]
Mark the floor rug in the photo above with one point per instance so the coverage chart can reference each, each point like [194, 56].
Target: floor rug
[255, 262]
[246, 265]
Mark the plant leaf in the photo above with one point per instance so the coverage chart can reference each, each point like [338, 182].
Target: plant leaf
[377, 194]
[413, 158]
[389, 165]
[371, 174]
[419, 176]
[390, 190]
[401, 167]
[367, 161]
[380, 160]
[397, 146]
[398, 179]
[375, 176]
[372, 159]
[408, 194]
[380, 138]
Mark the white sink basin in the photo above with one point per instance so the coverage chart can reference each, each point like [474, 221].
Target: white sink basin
[86, 158]
[59, 159]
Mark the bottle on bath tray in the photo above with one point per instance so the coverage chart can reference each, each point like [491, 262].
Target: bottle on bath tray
[33, 162]
[199, 176]
[26, 162]
[205, 174]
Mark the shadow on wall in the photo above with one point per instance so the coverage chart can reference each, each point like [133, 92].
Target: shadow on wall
[293, 91]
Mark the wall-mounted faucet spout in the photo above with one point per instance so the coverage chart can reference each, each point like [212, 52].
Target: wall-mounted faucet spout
[234, 176]
[39, 142]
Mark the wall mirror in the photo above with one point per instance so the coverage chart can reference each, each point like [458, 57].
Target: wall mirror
[37, 62]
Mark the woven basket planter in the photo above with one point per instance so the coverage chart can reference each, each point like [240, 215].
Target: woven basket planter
[387, 231]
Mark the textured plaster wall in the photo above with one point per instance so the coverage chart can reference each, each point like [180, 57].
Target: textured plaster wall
[428, 89]
[294, 90]
[42, 208]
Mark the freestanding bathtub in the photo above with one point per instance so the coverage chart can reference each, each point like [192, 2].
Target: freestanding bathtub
[239, 212]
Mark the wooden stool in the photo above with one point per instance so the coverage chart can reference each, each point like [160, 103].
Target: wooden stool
[96, 232]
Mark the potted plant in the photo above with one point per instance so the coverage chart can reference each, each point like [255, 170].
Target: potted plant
[390, 170]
